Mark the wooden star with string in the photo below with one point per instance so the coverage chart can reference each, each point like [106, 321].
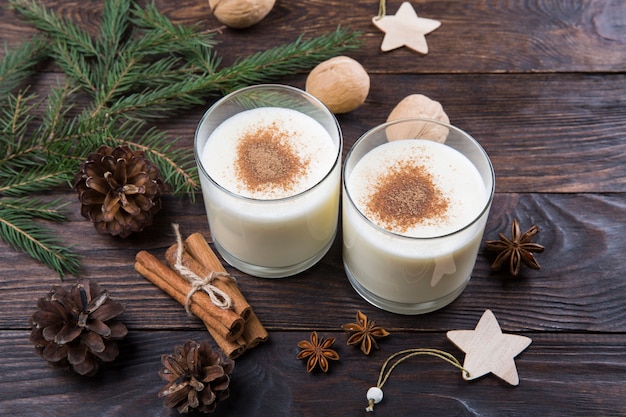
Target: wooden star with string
[405, 28]
[487, 349]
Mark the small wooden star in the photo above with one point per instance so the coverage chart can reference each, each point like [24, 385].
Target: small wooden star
[405, 29]
[487, 349]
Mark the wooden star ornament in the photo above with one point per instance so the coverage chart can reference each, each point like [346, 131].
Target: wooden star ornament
[487, 349]
[405, 28]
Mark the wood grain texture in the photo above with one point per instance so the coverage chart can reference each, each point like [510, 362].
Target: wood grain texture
[578, 288]
[554, 133]
[540, 84]
[554, 370]
[476, 36]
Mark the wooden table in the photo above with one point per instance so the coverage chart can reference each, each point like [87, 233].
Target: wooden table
[540, 84]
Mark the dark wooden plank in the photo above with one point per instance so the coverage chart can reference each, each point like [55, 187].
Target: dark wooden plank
[527, 124]
[543, 132]
[539, 83]
[477, 36]
[578, 373]
[579, 288]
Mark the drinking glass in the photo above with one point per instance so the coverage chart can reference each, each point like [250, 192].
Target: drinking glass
[409, 274]
[268, 236]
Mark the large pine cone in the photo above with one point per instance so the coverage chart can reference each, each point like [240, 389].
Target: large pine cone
[198, 378]
[119, 190]
[75, 328]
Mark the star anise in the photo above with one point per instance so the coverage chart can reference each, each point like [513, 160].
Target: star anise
[318, 351]
[517, 249]
[364, 333]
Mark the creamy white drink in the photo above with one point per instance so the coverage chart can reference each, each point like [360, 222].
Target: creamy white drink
[417, 188]
[269, 153]
[413, 216]
[273, 193]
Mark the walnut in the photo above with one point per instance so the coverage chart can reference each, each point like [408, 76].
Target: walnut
[341, 83]
[240, 14]
[418, 106]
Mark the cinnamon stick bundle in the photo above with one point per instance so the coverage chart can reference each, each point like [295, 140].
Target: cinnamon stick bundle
[201, 252]
[234, 329]
[225, 322]
[226, 284]
[254, 332]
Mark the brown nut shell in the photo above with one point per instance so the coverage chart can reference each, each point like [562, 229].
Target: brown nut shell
[418, 106]
[240, 14]
[341, 83]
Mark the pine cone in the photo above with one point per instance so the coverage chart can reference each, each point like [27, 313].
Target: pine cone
[119, 190]
[74, 328]
[198, 378]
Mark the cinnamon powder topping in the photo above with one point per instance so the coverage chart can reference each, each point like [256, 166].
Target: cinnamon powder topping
[405, 197]
[267, 161]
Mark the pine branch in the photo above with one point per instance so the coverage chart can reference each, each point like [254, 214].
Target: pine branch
[18, 229]
[19, 63]
[64, 31]
[26, 149]
[287, 59]
[162, 36]
[31, 180]
[258, 68]
[56, 126]
[140, 67]
[117, 82]
[164, 71]
[161, 102]
[177, 165]
[76, 67]
[114, 27]
[35, 208]
[18, 149]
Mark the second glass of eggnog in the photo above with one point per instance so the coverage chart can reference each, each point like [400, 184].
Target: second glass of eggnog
[416, 198]
[269, 158]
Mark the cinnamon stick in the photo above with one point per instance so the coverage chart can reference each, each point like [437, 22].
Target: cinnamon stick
[232, 349]
[254, 332]
[200, 250]
[225, 322]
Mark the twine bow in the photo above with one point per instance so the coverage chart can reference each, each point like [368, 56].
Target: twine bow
[218, 297]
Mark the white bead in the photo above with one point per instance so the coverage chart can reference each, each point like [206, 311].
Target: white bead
[375, 394]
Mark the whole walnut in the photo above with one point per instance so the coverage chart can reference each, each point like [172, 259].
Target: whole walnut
[418, 106]
[341, 83]
[240, 14]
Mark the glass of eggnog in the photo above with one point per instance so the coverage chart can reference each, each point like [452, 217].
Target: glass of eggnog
[416, 196]
[269, 159]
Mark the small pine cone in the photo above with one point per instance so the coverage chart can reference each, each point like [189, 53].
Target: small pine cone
[119, 190]
[198, 378]
[75, 328]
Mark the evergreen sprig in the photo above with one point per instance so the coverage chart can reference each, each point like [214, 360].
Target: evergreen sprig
[20, 231]
[137, 68]
[18, 64]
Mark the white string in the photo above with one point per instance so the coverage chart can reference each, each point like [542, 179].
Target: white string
[218, 297]
[375, 394]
